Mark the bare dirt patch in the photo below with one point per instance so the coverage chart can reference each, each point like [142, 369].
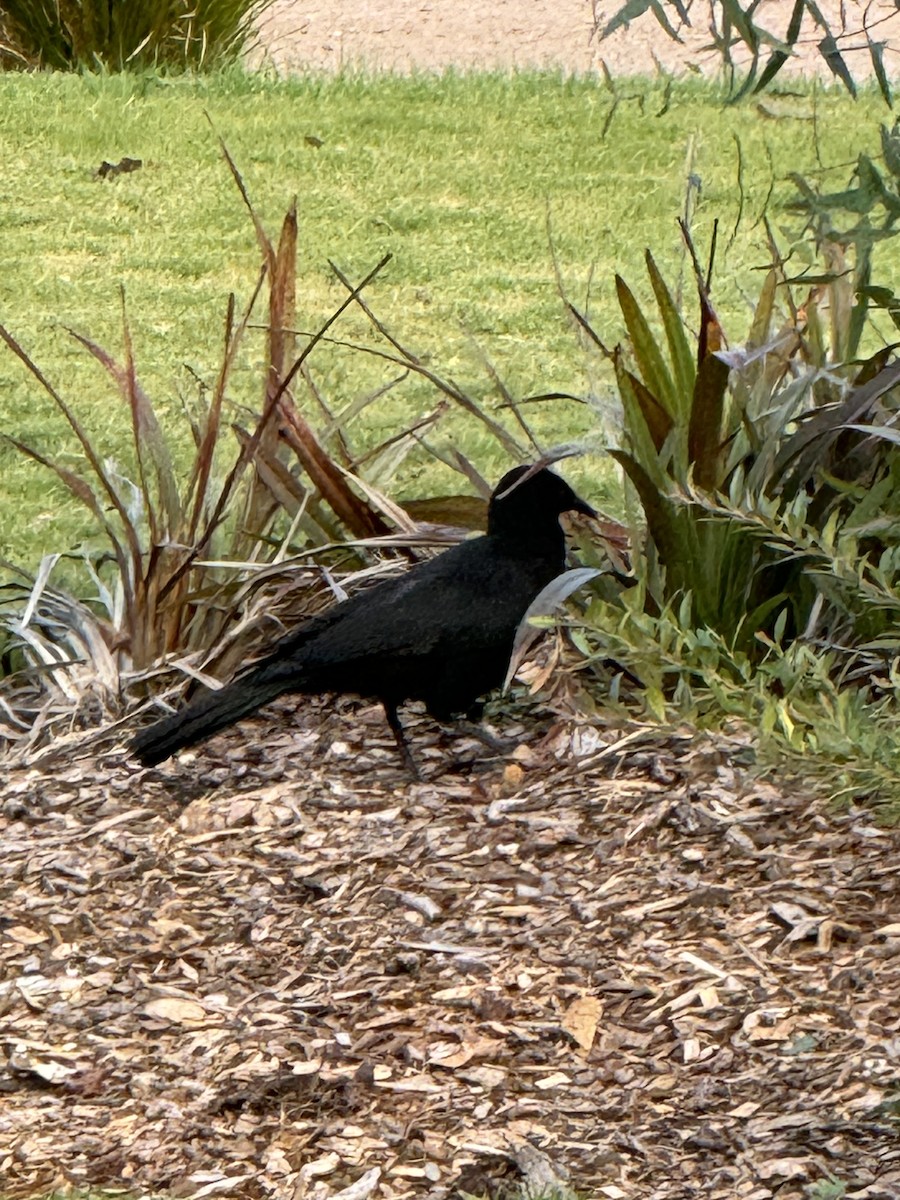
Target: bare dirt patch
[280, 969]
[471, 34]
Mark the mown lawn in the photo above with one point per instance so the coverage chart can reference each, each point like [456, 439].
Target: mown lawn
[455, 176]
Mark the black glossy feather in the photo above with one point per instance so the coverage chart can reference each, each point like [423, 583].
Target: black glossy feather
[441, 633]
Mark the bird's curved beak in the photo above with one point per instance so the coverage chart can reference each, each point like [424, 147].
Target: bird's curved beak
[584, 508]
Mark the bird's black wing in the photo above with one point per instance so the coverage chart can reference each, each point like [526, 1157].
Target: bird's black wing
[442, 633]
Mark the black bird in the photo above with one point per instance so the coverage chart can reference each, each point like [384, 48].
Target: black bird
[442, 633]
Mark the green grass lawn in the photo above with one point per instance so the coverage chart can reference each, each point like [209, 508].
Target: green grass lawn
[454, 176]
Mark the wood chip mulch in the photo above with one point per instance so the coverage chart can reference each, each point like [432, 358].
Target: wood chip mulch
[611, 962]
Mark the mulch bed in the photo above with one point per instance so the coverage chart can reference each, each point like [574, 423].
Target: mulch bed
[611, 961]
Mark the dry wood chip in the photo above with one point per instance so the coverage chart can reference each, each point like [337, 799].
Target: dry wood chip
[452, 1055]
[498, 810]
[640, 911]
[763, 1026]
[421, 904]
[447, 948]
[214, 1184]
[744, 1110]
[363, 1187]
[297, 1037]
[38, 990]
[408, 1172]
[689, 957]
[53, 1070]
[319, 1167]
[310, 1067]
[557, 1079]
[178, 1011]
[412, 1083]
[130, 817]
[389, 1018]
[581, 1018]
[784, 1168]
[25, 935]
[763, 1126]
[484, 1077]
[662, 1085]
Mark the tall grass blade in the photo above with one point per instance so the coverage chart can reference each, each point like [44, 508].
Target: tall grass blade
[335, 430]
[643, 441]
[658, 421]
[684, 366]
[661, 521]
[448, 387]
[89, 452]
[705, 445]
[780, 57]
[509, 401]
[281, 265]
[327, 478]
[646, 351]
[763, 312]
[804, 449]
[585, 326]
[148, 437]
[777, 59]
[206, 452]
[629, 12]
[890, 148]
[249, 449]
[80, 488]
[265, 245]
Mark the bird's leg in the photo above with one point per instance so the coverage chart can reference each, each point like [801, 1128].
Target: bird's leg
[390, 711]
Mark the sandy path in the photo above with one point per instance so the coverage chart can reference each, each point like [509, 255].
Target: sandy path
[476, 34]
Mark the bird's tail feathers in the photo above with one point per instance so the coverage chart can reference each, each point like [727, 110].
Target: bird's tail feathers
[203, 717]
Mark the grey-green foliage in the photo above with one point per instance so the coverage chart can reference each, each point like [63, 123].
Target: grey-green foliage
[848, 227]
[731, 23]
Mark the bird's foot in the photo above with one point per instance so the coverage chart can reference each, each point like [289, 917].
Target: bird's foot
[473, 729]
[412, 767]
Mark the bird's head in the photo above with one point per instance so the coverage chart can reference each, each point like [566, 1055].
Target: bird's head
[529, 499]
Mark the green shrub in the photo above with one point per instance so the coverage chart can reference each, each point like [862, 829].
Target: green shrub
[119, 35]
[765, 546]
